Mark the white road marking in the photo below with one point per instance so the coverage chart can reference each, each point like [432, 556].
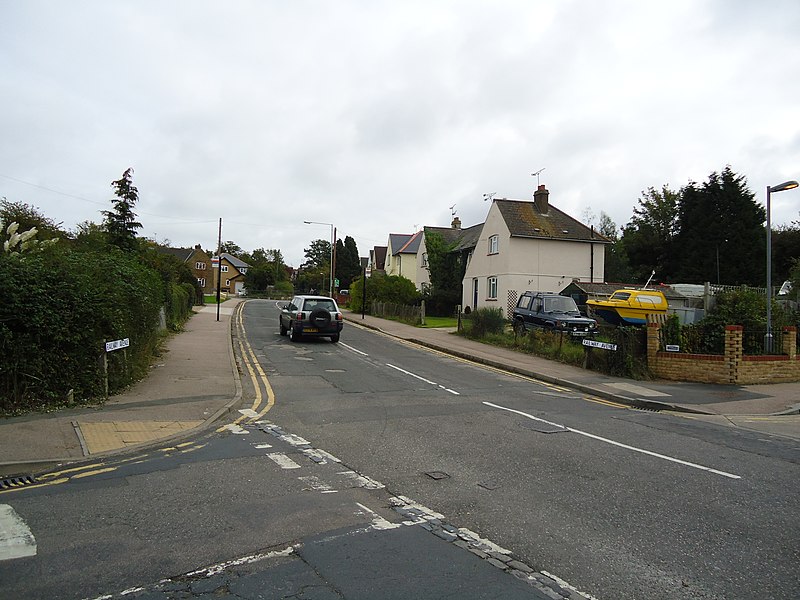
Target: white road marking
[320, 455]
[567, 586]
[362, 481]
[237, 429]
[353, 349]
[219, 568]
[283, 461]
[262, 446]
[378, 522]
[16, 539]
[316, 484]
[249, 412]
[422, 379]
[618, 444]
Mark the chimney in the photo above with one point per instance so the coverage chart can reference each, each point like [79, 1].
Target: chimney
[456, 224]
[198, 247]
[541, 199]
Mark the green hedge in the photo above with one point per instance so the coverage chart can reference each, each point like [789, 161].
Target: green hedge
[58, 309]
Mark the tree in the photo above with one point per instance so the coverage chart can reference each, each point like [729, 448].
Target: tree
[785, 250]
[28, 217]
[617, 267]
[348, 264]
[446, 269]
[231, 248]
[721, 234]
[647, 240]
[120, 223]
[318, 255]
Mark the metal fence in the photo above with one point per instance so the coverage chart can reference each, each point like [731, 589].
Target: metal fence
[758, 342]
[755, 341]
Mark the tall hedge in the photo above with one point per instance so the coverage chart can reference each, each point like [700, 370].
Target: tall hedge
[56, 311]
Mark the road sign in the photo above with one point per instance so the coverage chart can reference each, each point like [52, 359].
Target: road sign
[603, 345]
[117, 344]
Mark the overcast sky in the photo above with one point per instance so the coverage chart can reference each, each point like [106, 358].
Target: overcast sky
[379, 116]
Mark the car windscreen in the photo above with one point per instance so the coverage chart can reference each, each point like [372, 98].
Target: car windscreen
[560, 304]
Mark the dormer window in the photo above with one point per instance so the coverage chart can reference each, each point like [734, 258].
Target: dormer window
[494, 244]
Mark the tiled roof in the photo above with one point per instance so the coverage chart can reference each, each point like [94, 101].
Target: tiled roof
[182, 254]
[233, 260]
[405, 243]
[464, 239]
[523, 219]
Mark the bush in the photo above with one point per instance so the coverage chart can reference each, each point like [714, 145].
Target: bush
[52, 328]
[383, 288]
[485, 321]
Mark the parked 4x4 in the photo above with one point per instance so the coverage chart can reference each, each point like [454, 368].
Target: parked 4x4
[552, 312]
[311, 315]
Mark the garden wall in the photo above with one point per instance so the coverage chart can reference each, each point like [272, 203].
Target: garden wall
[733, 367]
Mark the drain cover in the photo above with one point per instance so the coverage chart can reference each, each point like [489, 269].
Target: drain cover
[18, 481]
[437, 475]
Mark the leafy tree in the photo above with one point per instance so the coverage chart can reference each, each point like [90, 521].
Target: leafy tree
[89, 236]
[647, 240]
[720, 218]
[785, 250]
[231, 248]
[348, 264]
[318, 255]
[28, 217]
[617, 267]
[446, 269]
[120, 223]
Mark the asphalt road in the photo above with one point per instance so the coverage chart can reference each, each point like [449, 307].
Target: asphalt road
[377, 469]
[618, 502]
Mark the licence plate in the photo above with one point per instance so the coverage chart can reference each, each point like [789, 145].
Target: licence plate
[311, 329]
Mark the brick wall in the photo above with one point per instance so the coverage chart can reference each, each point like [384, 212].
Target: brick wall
[733, 367]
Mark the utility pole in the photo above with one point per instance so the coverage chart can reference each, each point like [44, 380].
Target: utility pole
[219, 265]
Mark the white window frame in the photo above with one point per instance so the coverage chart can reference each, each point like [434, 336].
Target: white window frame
[201, 281]
[491, 288]
[494, 244]
[224, 268]
[200, 266]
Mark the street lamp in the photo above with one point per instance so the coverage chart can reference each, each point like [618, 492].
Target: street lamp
[333, 244]
[786, 185]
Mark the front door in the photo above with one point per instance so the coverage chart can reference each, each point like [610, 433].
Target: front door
[475, 293]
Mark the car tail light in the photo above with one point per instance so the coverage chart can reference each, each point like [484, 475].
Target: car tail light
[299, 315]
[338, 316]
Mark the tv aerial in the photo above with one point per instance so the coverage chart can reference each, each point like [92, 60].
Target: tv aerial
[536, 174]
[489, 197]
[453, 211]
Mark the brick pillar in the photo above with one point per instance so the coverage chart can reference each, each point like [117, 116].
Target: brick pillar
[733, 351]
[790, 341]
[653, 345]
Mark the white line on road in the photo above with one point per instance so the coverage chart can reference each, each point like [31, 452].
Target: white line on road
[283, 461]
[353, 349]
[618, 444]
[422, 379]
[16, 539]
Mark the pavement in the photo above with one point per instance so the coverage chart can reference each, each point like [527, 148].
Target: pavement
[195, 383]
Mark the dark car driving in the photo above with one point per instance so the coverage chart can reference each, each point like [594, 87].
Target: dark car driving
[311, 316]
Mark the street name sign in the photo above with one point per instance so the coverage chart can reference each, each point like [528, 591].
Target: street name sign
[603, 345]
[117, 344]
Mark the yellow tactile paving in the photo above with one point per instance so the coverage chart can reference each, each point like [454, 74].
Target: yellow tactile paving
[113, 435]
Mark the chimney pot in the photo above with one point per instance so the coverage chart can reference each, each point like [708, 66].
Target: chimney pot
[456, 224]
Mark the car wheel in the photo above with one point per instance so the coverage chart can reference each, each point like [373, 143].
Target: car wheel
[335, 338]
[294, 335]
[320, 318]
[519, 327]
[284, 331]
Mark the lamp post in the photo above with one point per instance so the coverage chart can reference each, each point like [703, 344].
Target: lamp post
[333, 244]
[786, 185]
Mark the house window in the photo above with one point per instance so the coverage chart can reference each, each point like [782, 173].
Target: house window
[492, 288]
[424, 259]
[201, 281]
[224, 268]
[200, 266]
[227, 283]
[494, 244]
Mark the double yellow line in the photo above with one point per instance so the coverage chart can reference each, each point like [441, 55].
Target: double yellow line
[253, 368]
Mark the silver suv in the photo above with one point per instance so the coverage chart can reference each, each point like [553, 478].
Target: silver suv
[313, 316]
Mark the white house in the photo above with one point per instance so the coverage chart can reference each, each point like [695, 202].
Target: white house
[533, 246]
[403, 257]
